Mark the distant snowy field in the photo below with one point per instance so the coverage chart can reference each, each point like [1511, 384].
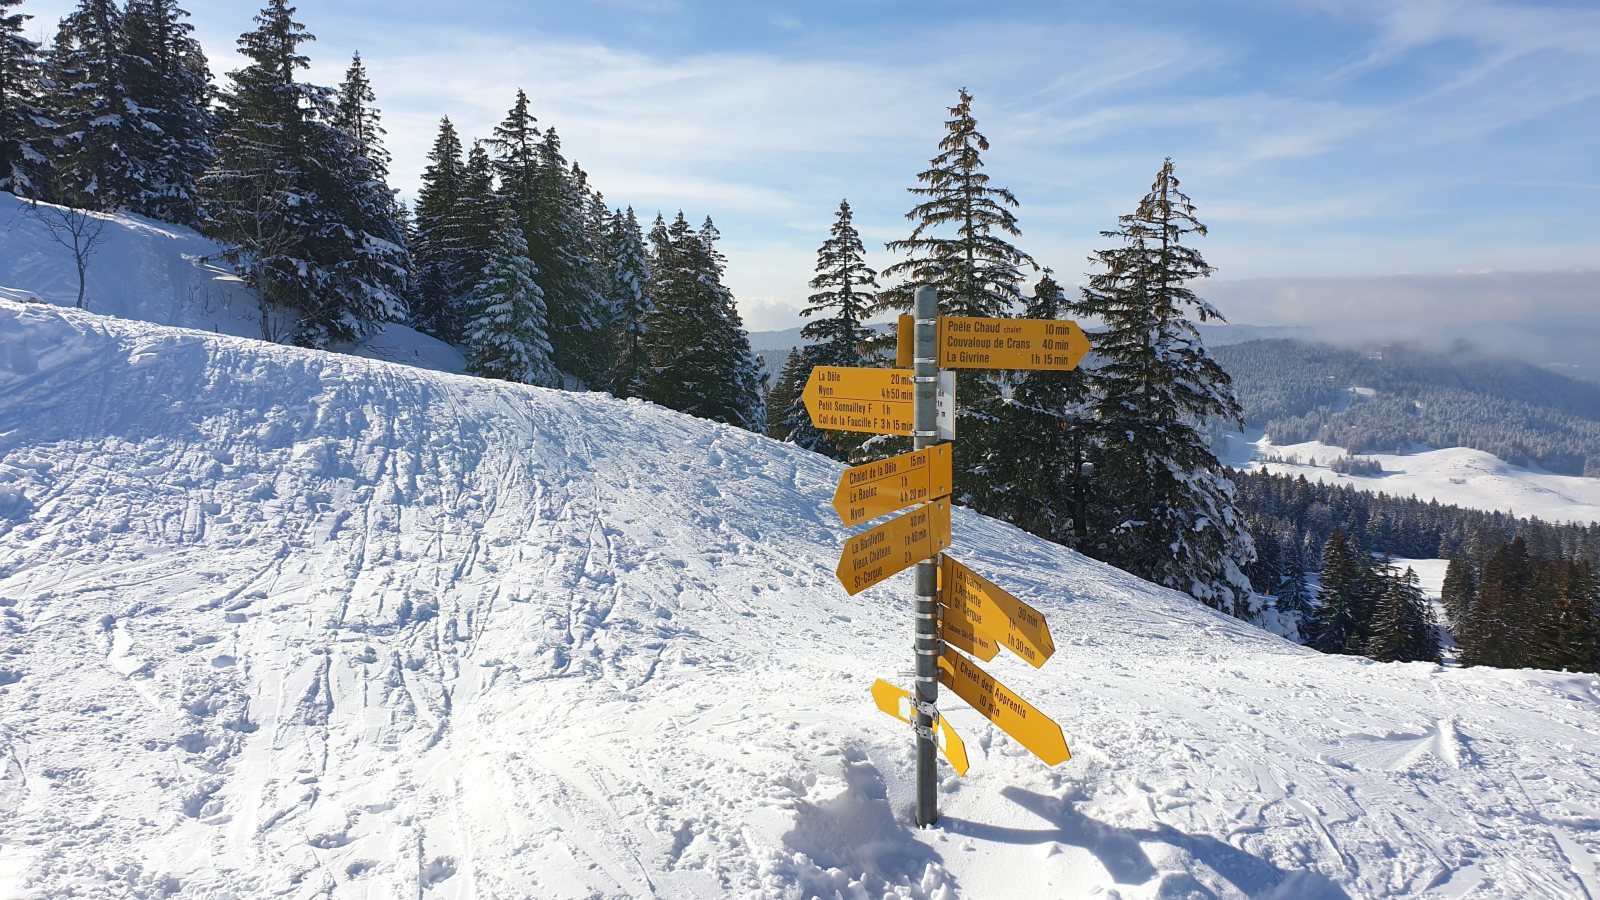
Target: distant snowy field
[1456, 475]
[283, 623]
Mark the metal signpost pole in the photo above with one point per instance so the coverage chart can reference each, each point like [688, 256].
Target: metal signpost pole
[925, 433]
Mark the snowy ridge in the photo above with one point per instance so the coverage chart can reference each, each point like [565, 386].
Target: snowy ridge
[282, 623]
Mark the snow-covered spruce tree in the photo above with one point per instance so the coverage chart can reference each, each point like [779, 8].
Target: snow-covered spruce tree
[307, 225]
[1335, 625]
[1163, 505]
[444, 277]
[515, 142]
[101, 142]
[846, 290]
[1403, 625]
[384, 261]
[24, 125]
[628, 296]
[1037, 476]
[560, 247]
[166, 76]
[508, 337]
[700, 355]
[784, 393]
[959, 245]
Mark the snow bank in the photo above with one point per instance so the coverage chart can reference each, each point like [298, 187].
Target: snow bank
[275, 622]
[165, 274]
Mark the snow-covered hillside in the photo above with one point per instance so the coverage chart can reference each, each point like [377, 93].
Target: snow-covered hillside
[282, 623]
[1456, 475]
[157, 272]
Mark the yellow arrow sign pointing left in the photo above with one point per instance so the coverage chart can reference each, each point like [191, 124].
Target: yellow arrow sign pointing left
[869, 491]
[876, 401]
[897, 702]
[896, 545]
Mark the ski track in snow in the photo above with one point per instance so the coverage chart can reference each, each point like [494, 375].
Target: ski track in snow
[281, 623]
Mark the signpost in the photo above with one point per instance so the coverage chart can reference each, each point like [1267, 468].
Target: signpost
[869, 491]
[1015, 625]
[958, 631]
[957, 611]
[1050, 344]
[973, 343]
[876, 401]
[1015, 716]
[894, 546]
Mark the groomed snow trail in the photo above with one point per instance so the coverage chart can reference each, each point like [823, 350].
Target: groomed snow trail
[282, 623]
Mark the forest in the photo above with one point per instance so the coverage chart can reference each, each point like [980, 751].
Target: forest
[1456, 397]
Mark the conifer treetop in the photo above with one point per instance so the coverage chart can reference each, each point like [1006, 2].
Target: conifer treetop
[976, 269]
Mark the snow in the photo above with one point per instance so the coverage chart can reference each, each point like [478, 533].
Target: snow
[166, 274]
[1456, 475]
[279, 622]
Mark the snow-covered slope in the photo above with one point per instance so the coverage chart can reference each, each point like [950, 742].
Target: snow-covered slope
[166, 274]
[1456, 475]
[282, 623]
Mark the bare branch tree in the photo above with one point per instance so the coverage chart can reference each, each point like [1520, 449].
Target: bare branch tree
[75, 228]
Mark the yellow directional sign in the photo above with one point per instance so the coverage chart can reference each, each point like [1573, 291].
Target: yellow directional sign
[869, 491]
[894, 546]
[1014, 715]
[1015, 625]
[971, 343]
[897, 702]
[876, 401]
[958, 631]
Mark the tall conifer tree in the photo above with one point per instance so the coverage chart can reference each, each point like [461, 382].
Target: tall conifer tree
[167, 77]
[24, 125]
[443, 270]
[507, 337]
[101, 133]
[1163, 503]
[310, 226]
[702, 364]
[846, 291]
[628, 296]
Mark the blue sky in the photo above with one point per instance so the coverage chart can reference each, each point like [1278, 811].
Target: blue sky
[1319, 139]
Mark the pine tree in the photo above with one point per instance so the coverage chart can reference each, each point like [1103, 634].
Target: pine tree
[628, 296]
[507, 337]
[167, 77]
[559, 245]
[308, 224]
[1497, 631]
[1293, 596]
[1403, 628]
[702, 364]
[1568, 625]
[959, 246]
[24, 124]
[1335, 625]
[515, 142]
[1458, 591]
[444, 273]
[845, 292]
[357, 117]
[101, 133]
[976, 270]
[784, 394]
[1163, 506]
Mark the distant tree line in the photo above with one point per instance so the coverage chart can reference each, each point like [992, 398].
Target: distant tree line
[511, 254]
[1299, 391]
[1517, 591]
[1112, 458]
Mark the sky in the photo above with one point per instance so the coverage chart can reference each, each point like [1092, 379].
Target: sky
[1361, 144]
